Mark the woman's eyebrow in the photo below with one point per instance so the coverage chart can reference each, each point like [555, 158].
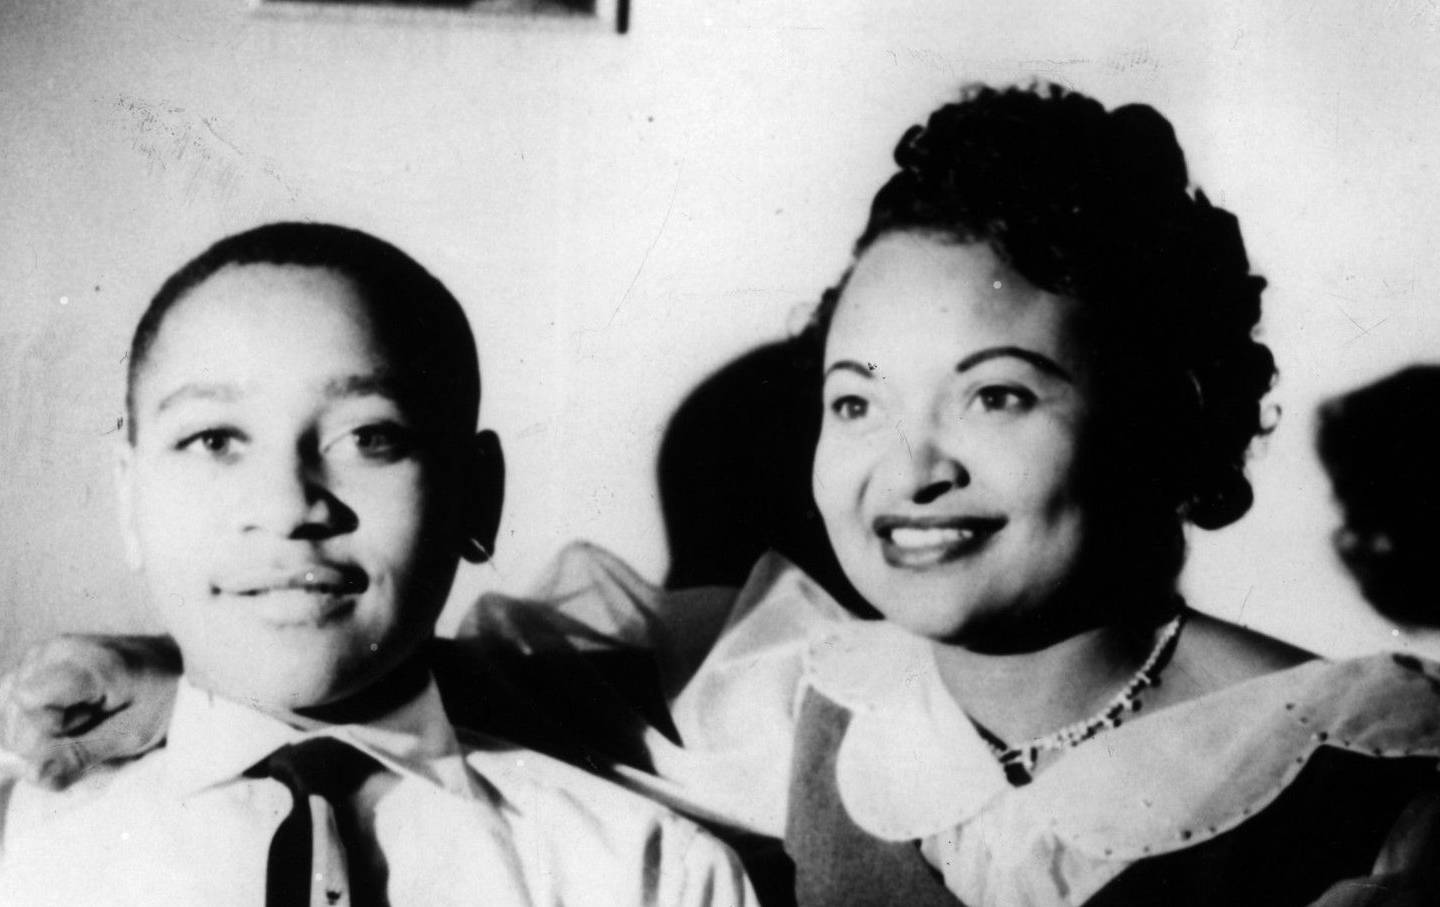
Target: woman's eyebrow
[850, 365]
[1038, 360]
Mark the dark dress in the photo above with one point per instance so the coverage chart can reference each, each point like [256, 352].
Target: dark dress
[1329, 819]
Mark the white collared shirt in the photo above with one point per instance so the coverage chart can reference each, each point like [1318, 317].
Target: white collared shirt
[485, 823]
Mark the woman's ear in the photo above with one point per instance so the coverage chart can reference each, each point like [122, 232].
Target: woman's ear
[124, 476]
[484, 497]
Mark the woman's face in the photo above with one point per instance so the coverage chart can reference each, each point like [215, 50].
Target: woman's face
[956, 399]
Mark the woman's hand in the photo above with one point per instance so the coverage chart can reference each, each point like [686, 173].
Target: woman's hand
[77, 701]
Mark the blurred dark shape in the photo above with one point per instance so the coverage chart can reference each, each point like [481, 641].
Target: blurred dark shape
[508, 6]
[422, 3]
[1381, 446]
[734, 474]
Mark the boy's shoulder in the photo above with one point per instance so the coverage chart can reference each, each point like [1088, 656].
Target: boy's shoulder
[26, 807]
[46, 835]
[577, 825]
[526, 780]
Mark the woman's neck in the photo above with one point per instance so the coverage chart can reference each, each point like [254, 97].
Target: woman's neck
[1023, 695]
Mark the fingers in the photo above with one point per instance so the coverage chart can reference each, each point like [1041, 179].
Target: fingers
[58, 763]
[68, 670]
[57, 760]
[61, 688]
[63, 699]
[65, 672]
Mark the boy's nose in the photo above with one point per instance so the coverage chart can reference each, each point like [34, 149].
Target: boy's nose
[288, 498]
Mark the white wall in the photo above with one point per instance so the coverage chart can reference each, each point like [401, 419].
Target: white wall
[624, 214]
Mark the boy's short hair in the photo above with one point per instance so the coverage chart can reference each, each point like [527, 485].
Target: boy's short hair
[422, 323]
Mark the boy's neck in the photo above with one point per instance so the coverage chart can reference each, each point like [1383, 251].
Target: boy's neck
[381, 698]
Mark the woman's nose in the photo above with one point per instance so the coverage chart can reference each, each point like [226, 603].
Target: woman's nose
[943, 475]
[926, 468]
[288, 497]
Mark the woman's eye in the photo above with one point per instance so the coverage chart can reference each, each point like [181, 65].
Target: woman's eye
[214, 441]
[999, 398]
[849, 408]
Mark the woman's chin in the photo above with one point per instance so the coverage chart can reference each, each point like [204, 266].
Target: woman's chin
[937, 618]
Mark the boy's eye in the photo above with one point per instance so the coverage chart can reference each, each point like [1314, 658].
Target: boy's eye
[1004, 399]
[217, 442]
[383, 441]
[850, 408]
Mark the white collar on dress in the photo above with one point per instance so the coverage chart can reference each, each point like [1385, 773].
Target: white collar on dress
[213, 740]
[911, 766]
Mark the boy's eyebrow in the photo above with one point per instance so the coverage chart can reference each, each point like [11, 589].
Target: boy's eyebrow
[379, 383]
[196, 390]
[375, 383]
[1038, 360]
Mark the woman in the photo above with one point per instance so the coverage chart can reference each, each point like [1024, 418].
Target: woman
[1038, 369]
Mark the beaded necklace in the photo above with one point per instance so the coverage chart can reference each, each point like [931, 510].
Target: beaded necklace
[1019, 761]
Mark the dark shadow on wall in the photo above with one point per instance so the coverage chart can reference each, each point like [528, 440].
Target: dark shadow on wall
[1380, 445]
[734, 473]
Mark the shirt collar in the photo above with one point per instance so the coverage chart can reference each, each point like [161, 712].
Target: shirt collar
[212, 740]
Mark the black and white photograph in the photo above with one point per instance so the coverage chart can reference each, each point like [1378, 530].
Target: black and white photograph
[719, 454]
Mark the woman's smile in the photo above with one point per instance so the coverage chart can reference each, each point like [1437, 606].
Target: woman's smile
[957, 397]
[919, 543]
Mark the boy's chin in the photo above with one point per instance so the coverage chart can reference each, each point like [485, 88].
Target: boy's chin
[329, 693]
[279, 696]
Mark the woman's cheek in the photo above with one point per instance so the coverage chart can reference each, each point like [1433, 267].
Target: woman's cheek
[832, 481]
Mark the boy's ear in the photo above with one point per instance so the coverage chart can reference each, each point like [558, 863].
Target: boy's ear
[124, 474]
[485, 497]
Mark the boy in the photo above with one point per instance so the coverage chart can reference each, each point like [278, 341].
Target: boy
[300, 481]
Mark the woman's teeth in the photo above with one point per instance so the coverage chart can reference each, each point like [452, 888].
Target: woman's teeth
[912, 537]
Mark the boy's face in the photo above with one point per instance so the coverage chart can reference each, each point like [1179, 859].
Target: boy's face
[281, 499]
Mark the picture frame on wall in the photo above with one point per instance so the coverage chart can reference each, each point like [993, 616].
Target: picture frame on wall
[608, 15]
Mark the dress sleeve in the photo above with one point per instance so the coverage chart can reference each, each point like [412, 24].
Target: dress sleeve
[737, 714]
[729, 664]
[590, 601]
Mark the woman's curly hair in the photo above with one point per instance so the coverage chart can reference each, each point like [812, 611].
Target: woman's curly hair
[1096, 205]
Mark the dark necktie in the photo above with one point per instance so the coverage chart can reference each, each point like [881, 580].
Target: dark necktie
[325, 767]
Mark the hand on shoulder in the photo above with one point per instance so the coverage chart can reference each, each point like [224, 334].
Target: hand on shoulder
[74, 702]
